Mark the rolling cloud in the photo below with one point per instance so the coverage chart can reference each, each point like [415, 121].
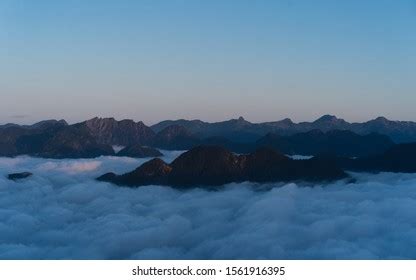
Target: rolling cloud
[62, 213]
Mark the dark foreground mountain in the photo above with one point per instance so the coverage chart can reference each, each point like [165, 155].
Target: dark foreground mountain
[341, 143]
[213, 166]
[154, 171]
[400, 158]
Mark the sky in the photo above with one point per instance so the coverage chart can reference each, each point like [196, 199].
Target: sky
[152, 60]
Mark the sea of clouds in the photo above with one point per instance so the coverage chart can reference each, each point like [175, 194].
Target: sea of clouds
[63, 213]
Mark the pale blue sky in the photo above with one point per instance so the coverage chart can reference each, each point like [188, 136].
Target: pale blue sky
[152, 60]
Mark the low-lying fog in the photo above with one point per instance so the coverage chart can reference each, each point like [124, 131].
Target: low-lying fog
[62, 213]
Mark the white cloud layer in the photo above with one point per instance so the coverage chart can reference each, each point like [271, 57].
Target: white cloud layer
[62, 213]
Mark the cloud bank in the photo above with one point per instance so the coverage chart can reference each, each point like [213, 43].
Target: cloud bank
[62, 213]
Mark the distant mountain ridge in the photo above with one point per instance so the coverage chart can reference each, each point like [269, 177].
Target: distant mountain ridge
[94, 137]
[398, 131]
[39, 125]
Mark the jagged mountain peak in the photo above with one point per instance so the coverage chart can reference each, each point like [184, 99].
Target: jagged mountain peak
[328, 118]
[286, 121]
[48, 123]
[112, 132]
[381, 119]
[239, 120]
[112, 121]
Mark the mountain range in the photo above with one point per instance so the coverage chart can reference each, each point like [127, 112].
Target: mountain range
[95, 137]
[243, 131]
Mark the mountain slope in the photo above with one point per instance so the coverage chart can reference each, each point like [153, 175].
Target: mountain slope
[112, 132]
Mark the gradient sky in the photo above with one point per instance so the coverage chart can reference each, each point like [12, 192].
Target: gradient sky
[152, 60]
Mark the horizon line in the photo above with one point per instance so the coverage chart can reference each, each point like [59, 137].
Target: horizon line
[210, 122]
